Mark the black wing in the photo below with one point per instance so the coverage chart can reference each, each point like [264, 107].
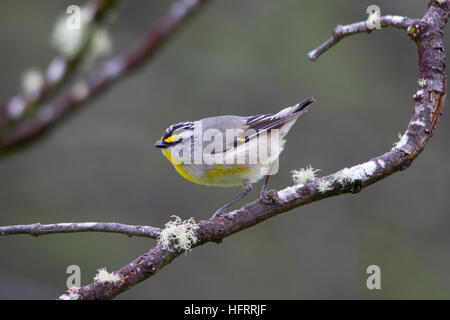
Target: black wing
[265, 122]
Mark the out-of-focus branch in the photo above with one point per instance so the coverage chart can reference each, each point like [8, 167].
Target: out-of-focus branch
[429, 98]
[38, 229]
[14, 109]
[106, 75]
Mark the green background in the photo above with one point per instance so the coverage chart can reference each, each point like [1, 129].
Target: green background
[236, 57]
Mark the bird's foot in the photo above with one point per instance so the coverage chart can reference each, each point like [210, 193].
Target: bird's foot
[269, 197]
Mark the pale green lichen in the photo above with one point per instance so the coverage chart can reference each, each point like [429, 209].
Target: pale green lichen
[103, 276]
[324, 185]
[178, 234]
[343, 176]
[422, 82]
[304, 175]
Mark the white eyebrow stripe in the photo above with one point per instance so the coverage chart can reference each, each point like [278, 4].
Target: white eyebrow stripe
[182, 125]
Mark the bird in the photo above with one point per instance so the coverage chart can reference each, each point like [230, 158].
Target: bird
[224, 151]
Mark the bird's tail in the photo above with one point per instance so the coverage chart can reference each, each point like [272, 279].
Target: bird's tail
[301, 106]
[262, 123]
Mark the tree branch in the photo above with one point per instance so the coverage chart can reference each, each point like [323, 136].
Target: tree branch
[102, 78]
[429, 99]
[38, 229]
[341, 32]
[60, 69]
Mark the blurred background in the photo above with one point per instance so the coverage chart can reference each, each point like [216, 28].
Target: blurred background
[234, 57]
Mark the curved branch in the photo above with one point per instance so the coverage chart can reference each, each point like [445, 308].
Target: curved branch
[38, 229]
[429, 99]
[102, 78]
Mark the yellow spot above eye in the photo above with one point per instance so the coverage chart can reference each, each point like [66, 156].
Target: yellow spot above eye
[172, 138]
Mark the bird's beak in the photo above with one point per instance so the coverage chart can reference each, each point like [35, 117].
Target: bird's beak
[161, 144]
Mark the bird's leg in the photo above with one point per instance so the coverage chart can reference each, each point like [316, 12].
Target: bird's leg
[264, 188]
[246, 188]
[266, 183]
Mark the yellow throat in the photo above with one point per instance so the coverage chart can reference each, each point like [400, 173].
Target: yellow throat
[179, 167]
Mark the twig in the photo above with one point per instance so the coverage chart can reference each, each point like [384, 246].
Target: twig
[102, 78]
[429, 99]
[341, 32]
[38, 229]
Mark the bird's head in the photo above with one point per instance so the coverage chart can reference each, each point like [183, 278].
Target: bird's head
[175, 134]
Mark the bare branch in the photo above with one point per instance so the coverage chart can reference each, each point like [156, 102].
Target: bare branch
[38, 229]
[429, 99]
[102, 78]
[341, 32]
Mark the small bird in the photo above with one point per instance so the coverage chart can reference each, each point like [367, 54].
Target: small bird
[221, 151]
